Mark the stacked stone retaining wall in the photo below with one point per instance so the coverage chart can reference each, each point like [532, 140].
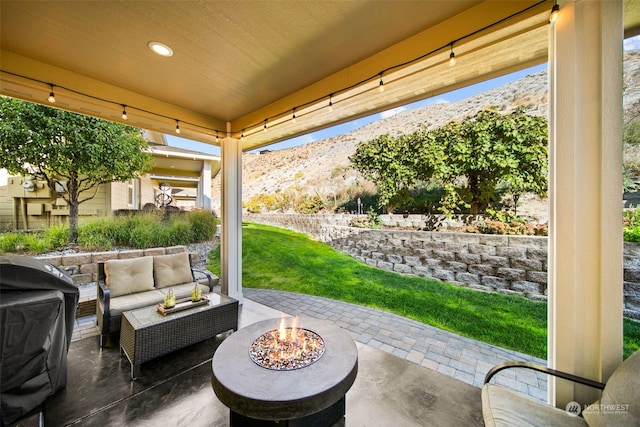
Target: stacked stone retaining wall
[493, 263]
[83, 267]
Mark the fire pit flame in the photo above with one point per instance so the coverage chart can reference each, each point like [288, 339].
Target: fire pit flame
[287, 348]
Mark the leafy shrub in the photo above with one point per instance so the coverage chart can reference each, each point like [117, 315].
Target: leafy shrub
[280, 201]
[505, 222]
[252, 206]
[511, 228]
[98, 234]
[309, 204]
[178, 233]
[10, 242]
[203, 225]
[146, 234]
[56, 236]
[147, 230]
[372, 220]
[631, 225]
[34, 243]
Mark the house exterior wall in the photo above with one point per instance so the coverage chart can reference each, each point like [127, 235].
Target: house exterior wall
[147, 192]
[38, 209]
[6, 209]
[119, 196]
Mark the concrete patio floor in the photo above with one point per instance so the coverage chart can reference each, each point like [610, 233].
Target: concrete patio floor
[410, 374]
[176, 389]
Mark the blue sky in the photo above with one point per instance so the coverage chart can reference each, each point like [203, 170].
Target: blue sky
[456, 95]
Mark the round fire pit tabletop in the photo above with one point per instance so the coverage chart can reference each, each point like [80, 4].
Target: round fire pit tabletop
[262, 393]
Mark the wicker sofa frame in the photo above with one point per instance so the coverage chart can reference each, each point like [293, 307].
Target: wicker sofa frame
[109, 324]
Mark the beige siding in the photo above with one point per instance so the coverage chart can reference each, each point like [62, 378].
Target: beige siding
[21, 210]
[147, 191]
[119, 194]
[6, 209]
[96, 206]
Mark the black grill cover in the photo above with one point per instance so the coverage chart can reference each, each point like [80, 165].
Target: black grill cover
[37, 312]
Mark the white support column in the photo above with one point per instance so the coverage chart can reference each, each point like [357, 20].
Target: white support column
[204, 187]
[231, 217]
[585, 241]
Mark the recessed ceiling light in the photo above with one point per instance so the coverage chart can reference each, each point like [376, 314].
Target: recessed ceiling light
[160, 48]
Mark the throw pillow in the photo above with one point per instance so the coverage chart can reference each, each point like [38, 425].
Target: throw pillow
[170, 270]
[129, 276]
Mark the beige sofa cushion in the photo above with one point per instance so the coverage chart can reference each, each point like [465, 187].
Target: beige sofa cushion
[170, 270]
[128, 276]
[133, 301]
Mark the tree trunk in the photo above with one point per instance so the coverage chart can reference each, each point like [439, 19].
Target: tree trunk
[474, 190]
[73, 211]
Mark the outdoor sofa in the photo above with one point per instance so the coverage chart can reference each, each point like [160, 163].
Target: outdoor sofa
[618, 406]
[128, 284]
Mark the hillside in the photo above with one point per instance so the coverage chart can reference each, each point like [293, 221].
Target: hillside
[323, 167]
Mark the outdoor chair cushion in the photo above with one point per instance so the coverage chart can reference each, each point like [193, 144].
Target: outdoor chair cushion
[128, 276]
[502, 407]
[618, 405]
[620, 402]
[171, 270]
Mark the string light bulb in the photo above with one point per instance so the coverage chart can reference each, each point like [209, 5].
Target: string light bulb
[452, 57]
[52, 96]
[437, 51]
[555, 10]
[266, 129]
[217, 137]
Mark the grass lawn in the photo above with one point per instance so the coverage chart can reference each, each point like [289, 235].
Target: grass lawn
[276, 258]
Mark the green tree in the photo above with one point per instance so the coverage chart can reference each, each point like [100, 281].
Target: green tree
[387, 162]
[58, 146]
[481, 152]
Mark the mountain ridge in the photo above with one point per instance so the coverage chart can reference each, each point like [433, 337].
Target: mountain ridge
[322, 167]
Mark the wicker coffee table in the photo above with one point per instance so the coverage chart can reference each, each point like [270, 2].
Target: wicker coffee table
[146, 334]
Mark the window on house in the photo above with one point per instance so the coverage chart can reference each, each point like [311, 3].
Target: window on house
[133, 191]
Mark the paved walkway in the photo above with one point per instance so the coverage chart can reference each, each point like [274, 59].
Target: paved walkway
[462, 358]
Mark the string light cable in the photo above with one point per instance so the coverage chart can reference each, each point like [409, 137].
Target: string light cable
[124, 107]
[448, 46]
[293, 111]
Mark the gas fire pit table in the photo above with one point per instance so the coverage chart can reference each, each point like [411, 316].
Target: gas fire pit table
[300, 393]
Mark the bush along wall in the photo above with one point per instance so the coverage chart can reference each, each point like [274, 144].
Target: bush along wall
[493, 263]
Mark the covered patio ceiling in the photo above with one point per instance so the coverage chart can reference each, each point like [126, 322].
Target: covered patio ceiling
[237, 66]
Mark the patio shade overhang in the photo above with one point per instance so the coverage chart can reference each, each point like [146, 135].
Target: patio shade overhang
[240, 65]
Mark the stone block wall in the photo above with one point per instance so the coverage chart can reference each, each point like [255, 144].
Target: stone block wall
[505, 264]
[83, 267]
[494, 263]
